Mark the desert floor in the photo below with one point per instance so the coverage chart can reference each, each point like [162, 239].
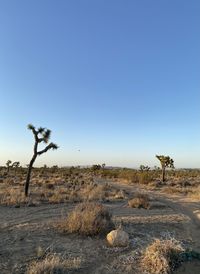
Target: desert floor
[25, 230]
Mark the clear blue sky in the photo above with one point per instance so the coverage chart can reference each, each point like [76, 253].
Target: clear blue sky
[119, 80]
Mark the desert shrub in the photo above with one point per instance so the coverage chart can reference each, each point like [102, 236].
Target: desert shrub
[94, 192]
[53, 264]
[49, 185]
[139, 201]
[109, 173]
[162, 256]
[13, 196]
[123, 174]
[56, 195]
[176, 190]
[145, 177]
[9, 181]
[87, 219]
[195, 193]
[128, 175]
[84, 191]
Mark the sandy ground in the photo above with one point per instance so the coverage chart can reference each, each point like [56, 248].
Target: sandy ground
[23, 230]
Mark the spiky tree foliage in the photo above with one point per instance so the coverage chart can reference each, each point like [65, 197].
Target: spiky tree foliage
[144, 168]
[96, 167]
[41, 135]
[8, 164]
[15, 165]
[165, 162]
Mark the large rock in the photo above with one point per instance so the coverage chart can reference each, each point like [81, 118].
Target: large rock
[118, 238]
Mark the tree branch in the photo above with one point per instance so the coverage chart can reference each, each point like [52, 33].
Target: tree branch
[50, 146]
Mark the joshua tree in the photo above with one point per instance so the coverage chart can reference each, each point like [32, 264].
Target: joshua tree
[15, 165]
[8, 164]
[41, 135]
[165, 162]
[54, 168]
[144, 168]
[95, 168]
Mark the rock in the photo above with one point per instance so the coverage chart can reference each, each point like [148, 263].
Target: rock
[120, 195]
[118, 238]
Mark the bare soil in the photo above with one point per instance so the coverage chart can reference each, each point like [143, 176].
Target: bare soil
[23, 230]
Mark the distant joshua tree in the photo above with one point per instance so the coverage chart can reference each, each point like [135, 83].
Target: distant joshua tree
[41, 135]
[144, 168]
[8, 164]
[165, 162]
[15, 165]
[95, 168]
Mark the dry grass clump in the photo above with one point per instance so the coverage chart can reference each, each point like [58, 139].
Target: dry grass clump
[93, 192]
[97, 192]
[87, 219]
[8, 181]
[12, 196]
[195, 193]
[171, 190]
[53, 264]
[176, 190]
[162, 256]
[59, 195]
[139, 201]
[145, 178]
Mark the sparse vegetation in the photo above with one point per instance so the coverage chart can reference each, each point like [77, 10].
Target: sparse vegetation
[53, 264]
[71, 223]
[12, 196]
[194, 193]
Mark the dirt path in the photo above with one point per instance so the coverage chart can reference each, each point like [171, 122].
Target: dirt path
[179, 205]
[13, 217]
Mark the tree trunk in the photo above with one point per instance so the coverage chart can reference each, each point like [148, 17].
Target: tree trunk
[163, 174]
[29, 176]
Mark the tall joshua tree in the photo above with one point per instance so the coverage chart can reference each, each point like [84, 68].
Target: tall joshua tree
[165, 162]
[41, 135]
